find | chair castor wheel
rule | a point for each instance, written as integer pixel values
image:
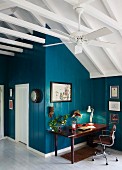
(106, 163)
(92, 159)
(116, 159)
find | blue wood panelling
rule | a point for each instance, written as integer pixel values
(29, 67)
(100, 99)
(62, 66)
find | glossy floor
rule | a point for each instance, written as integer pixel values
(16, 157)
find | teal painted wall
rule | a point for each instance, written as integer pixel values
(4, 81)
(100, 99)
(62, 66)
(29, 67)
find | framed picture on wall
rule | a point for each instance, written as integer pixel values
(114, 118)
(11, 104)
(114, 92)
(114, 106)
(60, 92)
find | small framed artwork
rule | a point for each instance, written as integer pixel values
(10, 92)
(114, 106)
(114, 92)
(60, 92)
(11, 104)
(114, 118)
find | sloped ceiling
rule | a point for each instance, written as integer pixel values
(33, 15)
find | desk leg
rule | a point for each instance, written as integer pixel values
(56, 143)
(72, 150)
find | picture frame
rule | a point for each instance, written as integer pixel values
(114, 118)
(114, 92)
(114, 106)
(60, 92)
(11, 104)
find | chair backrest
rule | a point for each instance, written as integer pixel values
(112, 134)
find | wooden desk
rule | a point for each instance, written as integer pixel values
(75, 134)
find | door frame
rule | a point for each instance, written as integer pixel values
(2, 111)
(16, 117)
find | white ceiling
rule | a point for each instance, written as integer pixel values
(20, 17)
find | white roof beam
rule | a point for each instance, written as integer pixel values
(86, 51)
(29, 25)
(102, 17)
(110, 11)
(6, 5)
(39, 19)
(9, 48)
(16, 43)
(6, 53)
(107, 51)
(21, 35)
(47, 14)
(19, 17)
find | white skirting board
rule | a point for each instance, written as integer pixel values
(77, 146)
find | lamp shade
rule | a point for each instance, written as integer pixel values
(89, 109)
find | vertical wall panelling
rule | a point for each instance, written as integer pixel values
(62, 66)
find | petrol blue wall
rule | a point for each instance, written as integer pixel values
(29, 67)
(4, 81)
(62, 66)
(100, 99)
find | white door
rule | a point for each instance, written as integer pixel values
(1, 111)
(22, 109)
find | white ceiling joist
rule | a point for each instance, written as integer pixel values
(47, 14)
(29, 25)
(6, 53)
(107, 51)
(16, 43)
(6, 5)
(21, 35)
(86, 50)
(9, 48)
(102, 17)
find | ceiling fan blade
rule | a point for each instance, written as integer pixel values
(62, 33)
(78, 49)
(98, 33)
(101, 44)
(49, 45)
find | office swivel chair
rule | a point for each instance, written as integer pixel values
(105, 140)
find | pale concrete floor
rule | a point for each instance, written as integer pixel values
(16, 157)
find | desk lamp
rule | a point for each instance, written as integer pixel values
(90, 110)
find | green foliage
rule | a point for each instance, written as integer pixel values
(58, 121)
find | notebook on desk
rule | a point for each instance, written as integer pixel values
(83, 128)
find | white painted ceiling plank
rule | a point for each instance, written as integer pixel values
(50, 15)
(16, 43)
(21, 35)
(107, 51)
(18, 16)
(102, 17)
(6, 53)
(39, 19)
(110, 11)
(9, 48)
(86, 50)
(29, 25)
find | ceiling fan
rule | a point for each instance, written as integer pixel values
(80, 39)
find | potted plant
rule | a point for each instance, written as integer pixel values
(56, 123)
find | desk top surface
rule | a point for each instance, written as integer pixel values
(68, 132)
